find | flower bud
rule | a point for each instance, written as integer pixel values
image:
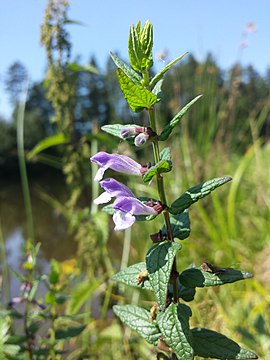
(130, 131)
(141, 139)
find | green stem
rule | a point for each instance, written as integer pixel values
(162, 197)
(23, 171)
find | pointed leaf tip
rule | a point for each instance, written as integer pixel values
(196, 193)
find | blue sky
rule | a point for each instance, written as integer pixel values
(196, 26)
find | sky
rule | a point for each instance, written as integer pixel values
(199, 27)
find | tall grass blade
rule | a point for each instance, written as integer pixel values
(22, 166)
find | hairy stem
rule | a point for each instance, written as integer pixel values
(162, 196)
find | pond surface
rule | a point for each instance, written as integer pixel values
(50, 227)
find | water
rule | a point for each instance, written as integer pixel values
(49, 226)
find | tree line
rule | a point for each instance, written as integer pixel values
(232, 99)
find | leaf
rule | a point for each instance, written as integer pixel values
(137, 97)
(196, 277)
(11, 350)
(174, 326)
(63, 334)
(50, 141)
(80, 293)
(54, 272)
(195, 193)
(140, 44)
(208, 343)
(162, 166)
(157, 89)
(133, 75)
(180, 226)
(73, 22)
(137, 319)
(128, 276)
(135, 51)
(86, 68)
(160, 75)
(159, 261)
(169, 127)
(115, 129)
(16, 339)
(146, 40)
(185, 293)
(165, 154)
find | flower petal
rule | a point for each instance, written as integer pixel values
(99, 174)
(133, 206)
(103, 198)
(123, 220)
(119, 163)
(116, 188)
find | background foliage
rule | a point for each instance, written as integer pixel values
(226, 132)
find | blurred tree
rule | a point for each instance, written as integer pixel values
(15, 81)
(92, 104)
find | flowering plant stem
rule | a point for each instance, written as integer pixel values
(162, 197)
(166, 325)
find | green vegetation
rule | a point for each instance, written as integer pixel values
(225, 132)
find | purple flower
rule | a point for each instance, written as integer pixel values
(113, 188)
(126, 205)
(126, 209)
(120, 163)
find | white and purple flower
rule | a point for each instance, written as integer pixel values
(119, 163)
(126, 205)
(113, 188)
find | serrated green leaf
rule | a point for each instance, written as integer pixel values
(196, 277)
(128, 276)
(180, 226)
(195, 193)
(70, 332)
(135, 51)
(138, 319)
(162, 166)
(146, 39)
(210, 344)
(115, 129)
(159, 261)
(174, 326)
(133, 75)
(140, 44)
(137, 97)
(160, 75)
(169, 127)
(165, 154)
